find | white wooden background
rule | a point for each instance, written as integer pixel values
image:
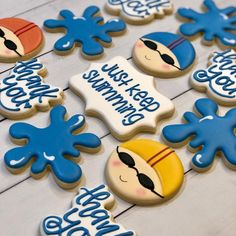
(206, 203)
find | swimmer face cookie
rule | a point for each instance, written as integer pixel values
(121, 96)
(163, 54)
(89, 31)
(213, 23)
(89, 216)
(54, 146)
(219, 79)
(141, 11)
(19, 39)
(209, 134)
(24, 91)
(144, 172)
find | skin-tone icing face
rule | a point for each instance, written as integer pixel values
(10, 45)
(155, 58)
(128, 176)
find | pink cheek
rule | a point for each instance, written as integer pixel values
(139, 45)
(141, 192)
(166, 67)
(116, 163)
(7, 52)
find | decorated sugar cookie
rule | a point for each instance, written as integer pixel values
(214, 23)
(85, 30)
(144, 172)
(24, 92)
(219, 79)
(89, 216)
(124, 98)
(210, 133)
(141, 11)
(52, 147)
(19, 39)
(163, 54)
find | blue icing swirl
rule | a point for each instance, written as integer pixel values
(221, 75)
(24, 85)
(132, 112)
(87, 208)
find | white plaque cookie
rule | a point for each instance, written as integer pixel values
(121, 96)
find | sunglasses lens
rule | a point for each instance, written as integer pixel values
(10, 45)
(2, 34)
(126, 159)
(150, 44)
(146, 182)
(166, 58)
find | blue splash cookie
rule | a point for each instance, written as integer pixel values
(51, 147)
(214, 23)
(209, 132)
(85, 30)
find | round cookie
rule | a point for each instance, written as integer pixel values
(19, 39)
(144, 172)
(164, 54)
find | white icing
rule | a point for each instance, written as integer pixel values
(206, 118)
(24, 90)
(219, 78)
(14, 162)
(86, 203)
(198, 157)
(50, 158)
(140, 10)
(120, 124)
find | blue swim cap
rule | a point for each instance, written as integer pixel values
(182, 48)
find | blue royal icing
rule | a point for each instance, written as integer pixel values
(214, 23)
(88, 217)
(210, 132)
(48, 146)
(219, 78)
(84, 30)
(141, 9)
(24, 90)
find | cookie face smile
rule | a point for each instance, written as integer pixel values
(144, 172)
(163, 54)
(155, 57)
(136, 180)
(10, 45)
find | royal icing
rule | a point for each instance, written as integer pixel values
(24, 91)
(210, 132)
(144, 172)
(163, 54)
(19, 39)
(213, 23)
(141, 11)
(89, 216)
(219, 78)
(50, 145)
(123, 97)
(85, 30)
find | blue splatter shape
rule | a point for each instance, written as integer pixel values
(214, 23)
(47, 147)
(211, 133)
(85, 30)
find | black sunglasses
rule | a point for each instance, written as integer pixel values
(166, 58)
(143, 179)
(9, 44)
